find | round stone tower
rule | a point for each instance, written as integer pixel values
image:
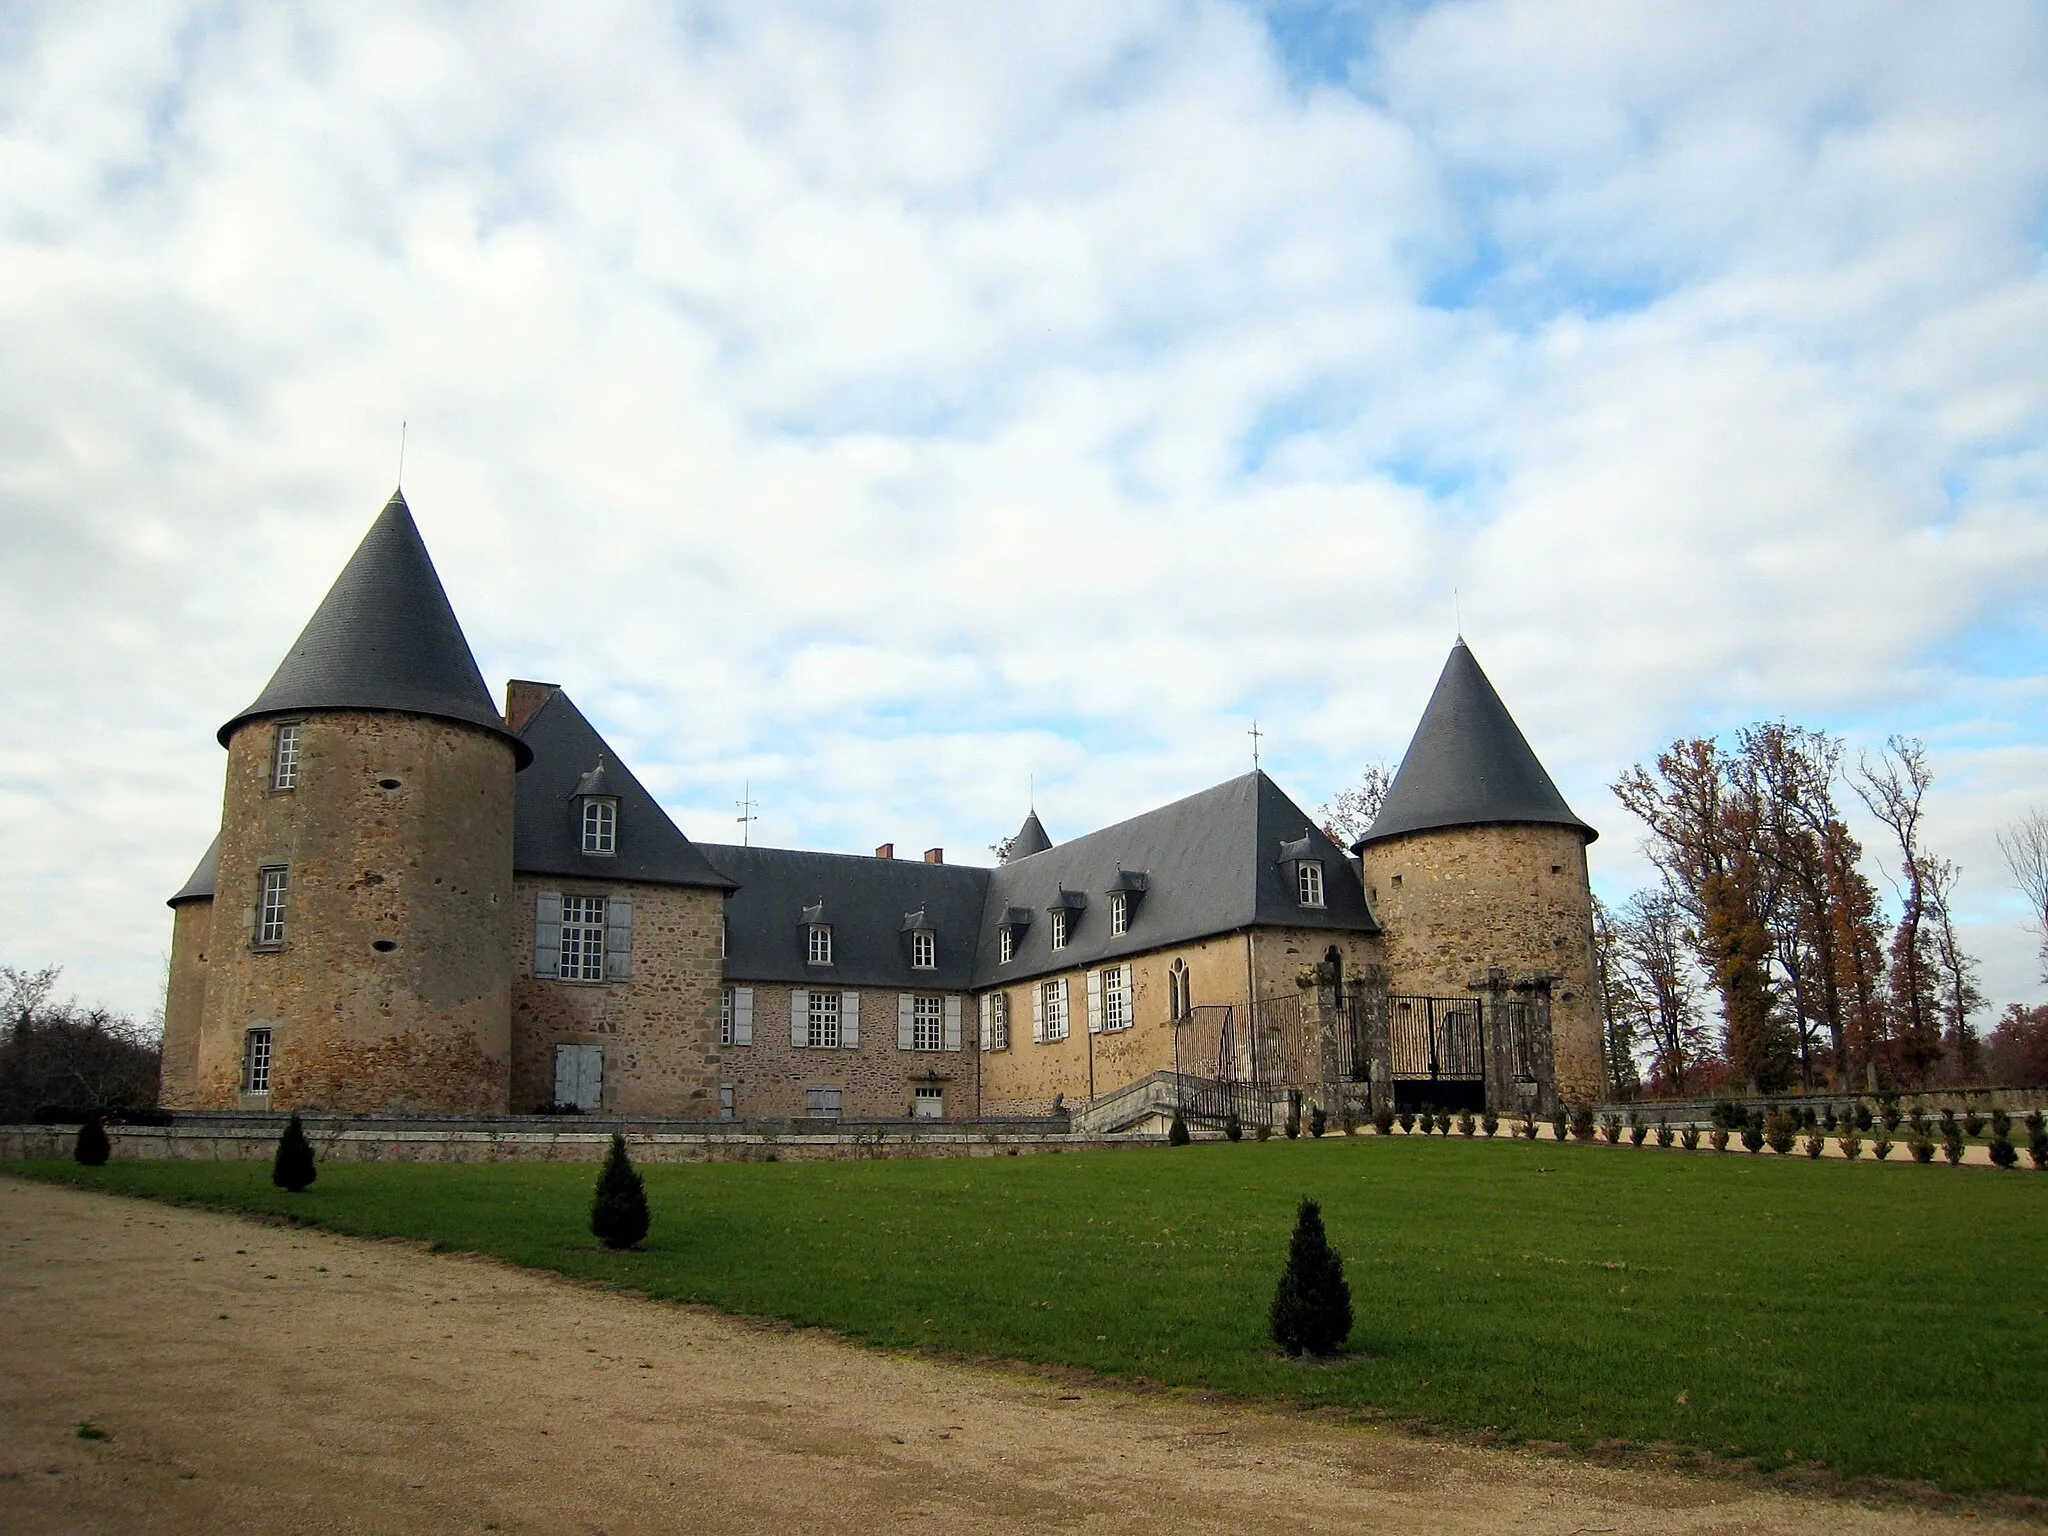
(360, 947)
(1476, 869)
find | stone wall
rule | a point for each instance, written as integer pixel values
(1227, 968)
(658, 1029)
(875, 1079)
(1458, 902)
(185, 1001)
(399, 833)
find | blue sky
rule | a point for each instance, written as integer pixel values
(890, 405)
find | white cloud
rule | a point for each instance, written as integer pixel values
(882, 404)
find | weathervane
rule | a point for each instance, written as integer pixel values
(1255, 733)
(748, 805)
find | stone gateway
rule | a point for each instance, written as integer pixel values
(417, 905)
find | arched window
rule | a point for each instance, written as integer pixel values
(1180, 997)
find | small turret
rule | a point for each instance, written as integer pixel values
(1476, 869)
(1030, 839)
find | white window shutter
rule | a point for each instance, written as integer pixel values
(1038, 1015)
(988, 1020)
(799, 1016)
(849, 1019)
(547, 934)
(906, 1013)
(742, 1015)
(1095, 1002)
(952, 1036)
(618, 938)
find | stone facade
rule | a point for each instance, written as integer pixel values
(658, 1028)
(877, 1079)
(1457, 903)
(391, 988)
(185, 1000)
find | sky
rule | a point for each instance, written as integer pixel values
(901, 413)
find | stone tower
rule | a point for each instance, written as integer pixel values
(1476, 869)
(358, 949)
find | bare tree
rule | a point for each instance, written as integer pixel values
(1621, 1003)
(1654, 951)
(85, 1060)
(1348, 817)
(1958, 993)
(1894, 787)
(2025, 846)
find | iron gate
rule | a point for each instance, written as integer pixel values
(1214, 1077)
(1437, 1047)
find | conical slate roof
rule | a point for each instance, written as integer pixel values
(1030, 839)
(1468, 764)
(200, 886)
(384, 638)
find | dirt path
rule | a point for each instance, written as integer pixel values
(261, 1379)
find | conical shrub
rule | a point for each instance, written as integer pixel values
(293, 1168)
(618, 1216)
(92, 1149)
(1312, 1305)
(1177, 1133)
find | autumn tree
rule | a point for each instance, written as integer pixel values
(1347, 817)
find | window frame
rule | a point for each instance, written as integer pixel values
(600, 826)
(818, 944)
(824, 1021)
(273, 890)
(584, 960)
(286, 741)
(1119, 914)
(1059, 928)
(1180, 992)
(1116, 998)
(1308, 882)
(258, 1046)
(924, 949)
(927, 1093)
(1006, 944)
(927, 1022)
(728, 1012)
(1052, 1005)
(999, 1021)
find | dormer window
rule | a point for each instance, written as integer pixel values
(1309, 882)
(924, 950)
(1006, 944)
(1065, 911)
(1059, 929)
(600, 824)
(1119, 914)
(819, 946)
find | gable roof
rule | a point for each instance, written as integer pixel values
(1468, 764)
(199, 886)
(547, 833)
(384, 638)
(1214, 862)
(865, 900)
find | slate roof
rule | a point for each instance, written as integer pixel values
(1030, 839)
(865, 900)
(1469, 764)
(200, 885)
(547, 830)
(1212, 864)
(383, 638)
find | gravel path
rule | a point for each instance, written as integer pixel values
(264, 1379)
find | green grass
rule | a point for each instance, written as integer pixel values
(1890, 1321)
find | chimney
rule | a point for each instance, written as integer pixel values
(886, 851)
(935, 855)
(523, 698)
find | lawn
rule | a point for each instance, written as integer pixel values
(1889, 1321)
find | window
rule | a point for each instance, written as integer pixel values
(1310, 875)
(1180, 995)
(723, 925)
(726, 1000)
(924, 950)
(256, 1061)
(823, 1031)
(928, 1024)
(1006, 943)
(821, 1099)
(1059, 929)
(600, 826)
(725, 1101)
(1052, 997)
(928, 1104)
(582, 938)
(270, 912)
(1119, 914)
(995, 1021)
(820, 951)
(284, 756)
(1116, 997)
